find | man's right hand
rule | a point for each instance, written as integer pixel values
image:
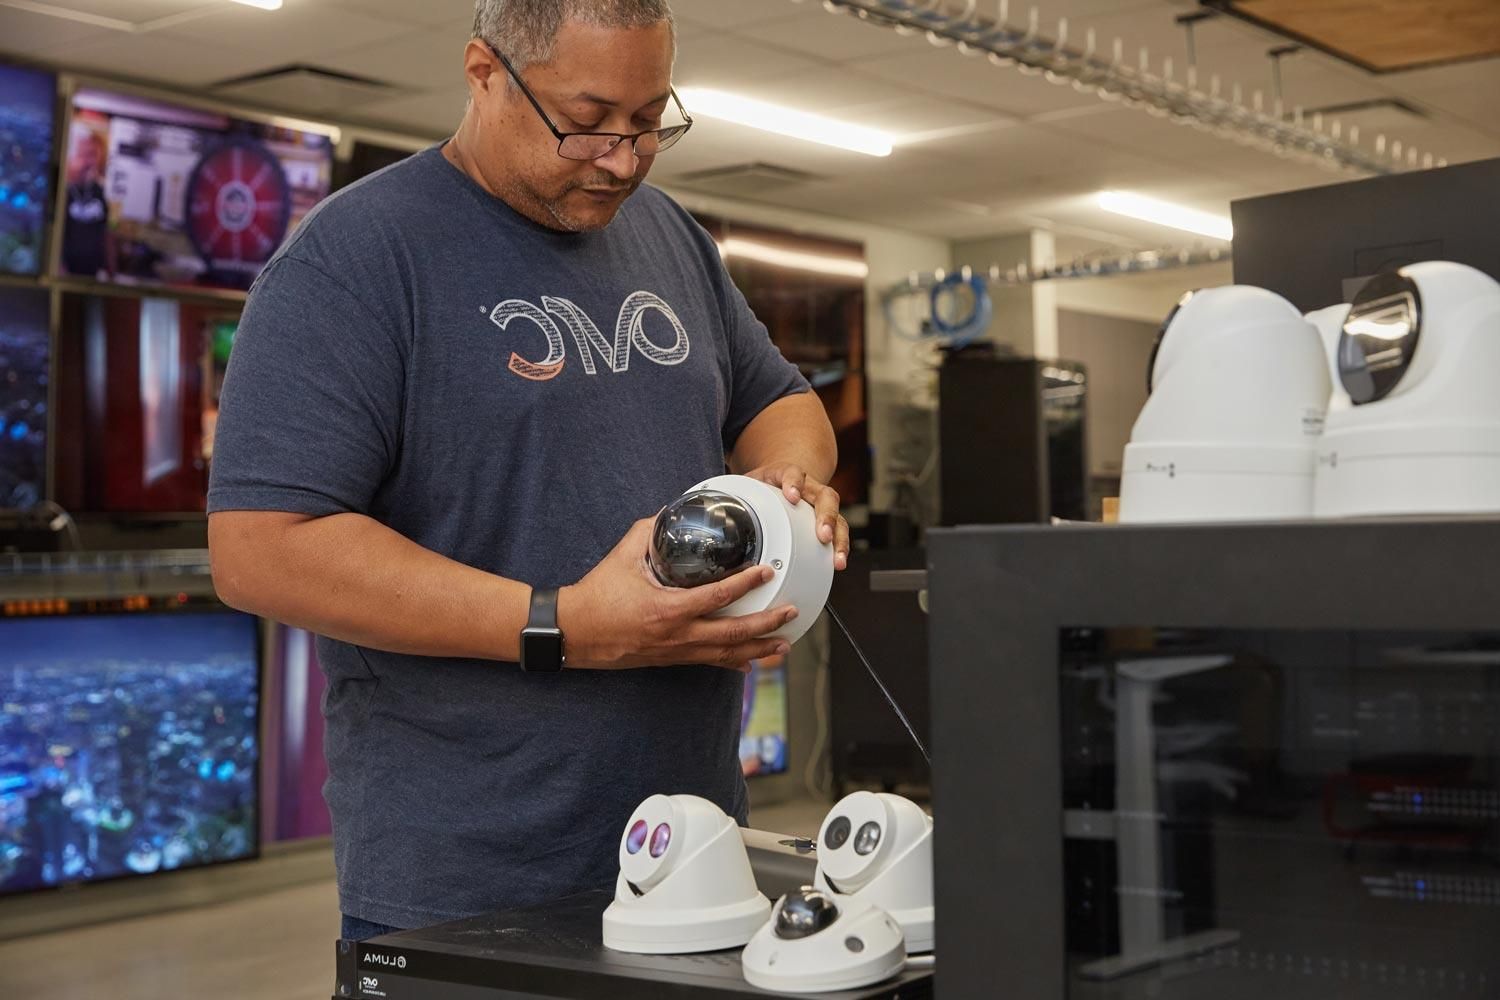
(620, 617)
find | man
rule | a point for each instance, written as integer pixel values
(454, 390)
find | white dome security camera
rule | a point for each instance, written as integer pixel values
(1239, 392)
(729, 523)
(685, 881)
(817, 943)
(1417, 359)
(878, 847)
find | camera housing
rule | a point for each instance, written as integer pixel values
(685, 882)
(1239, 392)
(877, 847)
(817, 943)
(730, 523)
(1421, 434)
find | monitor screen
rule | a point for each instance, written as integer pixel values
(128, 745)
(366, 159)
(171, 195)
(24, 350)
(138, 383)
(763, 727)
(27, 99)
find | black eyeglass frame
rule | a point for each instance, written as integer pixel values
(667, 137)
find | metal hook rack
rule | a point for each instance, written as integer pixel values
(1115, 78)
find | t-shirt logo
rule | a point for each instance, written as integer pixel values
(630, 335)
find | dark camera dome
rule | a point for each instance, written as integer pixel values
(803, 914)
(702, 537)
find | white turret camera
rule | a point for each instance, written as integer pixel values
(731, 523)
(1239, 390)
(877, 847)
(685, 883)
(817, 943)
(1417, 357)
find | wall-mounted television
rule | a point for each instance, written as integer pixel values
(137, 402)
(24, 376)
(128, 745)
(28, 100)
(163, 194)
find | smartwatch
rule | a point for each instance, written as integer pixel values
(541, 639)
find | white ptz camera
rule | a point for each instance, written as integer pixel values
(1239, 391)
(1417, 358)
(730, 523)
(685, 883)
(817, 943)
(877, 847)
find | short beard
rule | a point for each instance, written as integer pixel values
(564, 220)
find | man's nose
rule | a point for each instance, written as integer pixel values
(620, 161)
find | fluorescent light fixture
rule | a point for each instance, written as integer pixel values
(785, 121)
(262, 4)
(797, 260)
(1164, 213)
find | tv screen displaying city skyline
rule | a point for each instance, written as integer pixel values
(129, 745)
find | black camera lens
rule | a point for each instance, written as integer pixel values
(703, 537)
(867, 839)
(803, 914)
(838, 833)
(1380, 337)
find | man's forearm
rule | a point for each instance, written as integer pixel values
(794, 430)
(351, 578)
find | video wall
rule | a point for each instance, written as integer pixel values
(169, 195)
(27, 99)
(128, 745)
(24, 378)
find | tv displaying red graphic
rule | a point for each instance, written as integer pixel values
(165, 194)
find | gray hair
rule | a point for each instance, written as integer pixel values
(526, 30)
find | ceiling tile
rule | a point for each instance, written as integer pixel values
(158, 58)
(298, 32)
(31, 35)
(430, 116)
(136, 12)
(727, 14)
(427, 12)
(726, 61)
(428, 58)
(831, 37)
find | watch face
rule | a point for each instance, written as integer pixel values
(541, 650)
(1380, 337)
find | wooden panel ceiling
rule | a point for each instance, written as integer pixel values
(1382, 36)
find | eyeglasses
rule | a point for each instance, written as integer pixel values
(593, 145)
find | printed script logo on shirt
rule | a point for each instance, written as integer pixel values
(629, 335)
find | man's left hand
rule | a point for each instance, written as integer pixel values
(797, 485)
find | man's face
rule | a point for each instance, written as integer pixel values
(598, 80)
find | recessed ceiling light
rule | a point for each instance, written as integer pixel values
(262, 4)
(786, 121)
(1164, 213)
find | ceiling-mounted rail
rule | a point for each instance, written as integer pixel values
(1114, 77)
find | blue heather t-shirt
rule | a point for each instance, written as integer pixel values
(513, 398)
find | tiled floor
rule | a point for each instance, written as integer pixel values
(273, 947)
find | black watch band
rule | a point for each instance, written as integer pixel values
(541, 639)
